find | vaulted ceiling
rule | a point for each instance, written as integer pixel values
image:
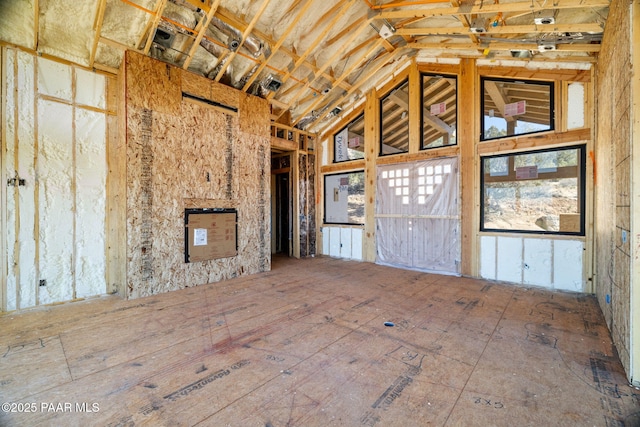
(306, 57)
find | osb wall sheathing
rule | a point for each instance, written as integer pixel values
(186, 154)
(612, 183)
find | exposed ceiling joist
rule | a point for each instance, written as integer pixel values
(328, 27)
(318, 54)
(526, 6)
(292, 26)
(506, 29)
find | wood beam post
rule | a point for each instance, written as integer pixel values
(468, 128)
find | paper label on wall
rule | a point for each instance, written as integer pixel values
(354, 142)
(527, 172)
(200, 237)
(341, 148)
(438, 108)
(515, 108)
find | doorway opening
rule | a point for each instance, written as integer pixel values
(281, 202)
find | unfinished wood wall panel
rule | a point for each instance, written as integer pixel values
(195, 85)
(255, 117)
(221, 93)
(252, 165)
(613, 184)
(192, 156)
(205, 153)
(152, 84)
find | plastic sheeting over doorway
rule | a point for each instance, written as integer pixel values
(417, 215)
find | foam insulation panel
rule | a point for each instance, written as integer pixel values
(536, 263)
(546, 262)
(509, 266)
(54, 79)
(567, 265)
(488, 257)
(575, 109)
(356, 243)
(56, 200)
(187, 154)
(60, 22)
(345, 242)
(26, 171)
(90, 196)
(17, 23)
(91, 89)
(334, 241)
(59, 151)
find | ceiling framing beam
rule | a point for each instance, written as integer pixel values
(201, 29)
(491, 9)
(337, 56)
(346, 5)
(500, 46)
(245, 34)
(276, 48)
(505, 29)
(227, 17)
(346, 73)
(97, 29)
(384, 60)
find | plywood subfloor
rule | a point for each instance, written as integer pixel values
(305, 345)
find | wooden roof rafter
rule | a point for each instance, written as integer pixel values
(507, 29)
(201, 30)
(245, 34)
(525, 6)
(276, 48)
(345, 74)
(338, 55)
(97, 29)
(385, 59)
(151, 26)
(226, 16)
(310, 49)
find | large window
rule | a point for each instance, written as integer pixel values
(439, 111)
(344, 198)
(534, 192)
(512, 107)
(394, 120)
(348, 143)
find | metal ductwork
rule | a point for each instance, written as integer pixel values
(234, 37)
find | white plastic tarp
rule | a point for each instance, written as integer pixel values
(417, 215)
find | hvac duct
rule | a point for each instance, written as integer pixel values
(234, 38)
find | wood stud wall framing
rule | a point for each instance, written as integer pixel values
(469, 148)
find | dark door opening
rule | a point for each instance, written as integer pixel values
(282, 223)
